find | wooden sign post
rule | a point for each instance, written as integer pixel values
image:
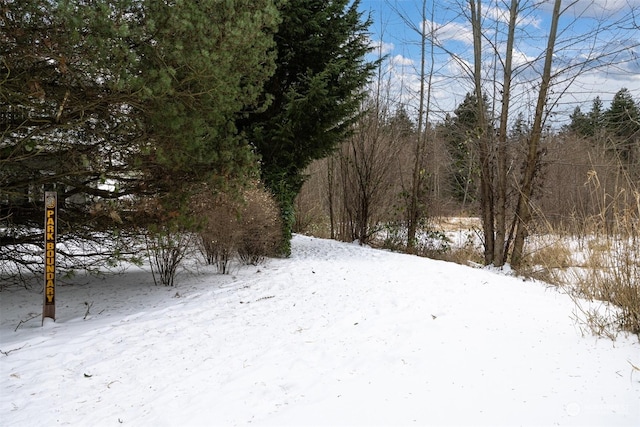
(50, 236)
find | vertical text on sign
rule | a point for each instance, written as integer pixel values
(50, 235)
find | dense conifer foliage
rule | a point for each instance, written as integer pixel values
(112, 103)
(617, 128)
(315, 93)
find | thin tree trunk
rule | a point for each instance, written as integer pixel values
(416, 181)
(523, 210)
(331, 189)
(483, 140)
(499, 251)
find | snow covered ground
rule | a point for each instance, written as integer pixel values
(336, 335)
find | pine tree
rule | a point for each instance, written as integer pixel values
(588, 124)
(579, 122)
(315, 93)
(210, 61)
(595, 117)
(106, 99)
(622, 121)
(461, 131)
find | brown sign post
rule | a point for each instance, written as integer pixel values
(50, 235)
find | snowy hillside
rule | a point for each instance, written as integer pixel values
(336, 335)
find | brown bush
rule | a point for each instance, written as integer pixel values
(260, 228)
(244, 224)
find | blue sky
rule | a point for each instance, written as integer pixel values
(585, 31)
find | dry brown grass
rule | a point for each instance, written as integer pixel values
(610, 272)
(549, 260)
(466, 255)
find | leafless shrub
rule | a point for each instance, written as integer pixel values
(244, 224)
(218, 237)
(166, 248)
(215, 252)
(260, 233)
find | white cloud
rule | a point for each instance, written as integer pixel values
(381, 47)
(501, 15)
(521, 59)
(450, 31)
(599, 9)
(401, 61)
(387, 47)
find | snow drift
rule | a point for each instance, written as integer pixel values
(337, 334)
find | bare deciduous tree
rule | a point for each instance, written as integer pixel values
(415, 207)
(504, 237)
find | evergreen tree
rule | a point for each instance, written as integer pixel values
(460, 135)
(596, 117)
(400, 123)
(314, 94)
(520, 129)
(106, 99)
(208, 68)
(587, 124)
(579, 122)
(622, 121)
